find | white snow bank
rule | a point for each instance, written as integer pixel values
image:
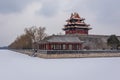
(17, 66)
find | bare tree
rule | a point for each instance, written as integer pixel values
(31, 32)
(22, 42)
(27, 40)
(40, 34)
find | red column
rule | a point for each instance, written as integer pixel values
(49, 46)
(80, 46)
(45, 46)
(67, 46)
(72, 47)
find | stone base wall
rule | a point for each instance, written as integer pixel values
(67, 55)
(92, 55)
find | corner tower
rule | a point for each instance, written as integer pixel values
(76, 25)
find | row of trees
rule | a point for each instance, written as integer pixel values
(31, 35)
(113, 42)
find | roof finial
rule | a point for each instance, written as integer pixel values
(72, 15)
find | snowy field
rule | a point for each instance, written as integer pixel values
(16, 66)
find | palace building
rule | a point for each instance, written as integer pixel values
(76, 37)
(75, 25)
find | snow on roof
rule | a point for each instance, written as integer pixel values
(64, 39)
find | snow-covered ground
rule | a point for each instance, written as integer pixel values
(17, 66)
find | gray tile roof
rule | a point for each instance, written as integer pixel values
(69, 39)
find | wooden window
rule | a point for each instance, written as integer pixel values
(64, 47)
(70, 47)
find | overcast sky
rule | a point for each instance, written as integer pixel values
(15, 15)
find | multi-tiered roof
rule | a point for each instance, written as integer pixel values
(76, 25)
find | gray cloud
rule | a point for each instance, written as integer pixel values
(10, 6)
(49, 8)
(103, 8)
(107, 11)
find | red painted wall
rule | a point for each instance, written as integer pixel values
(76, 32)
